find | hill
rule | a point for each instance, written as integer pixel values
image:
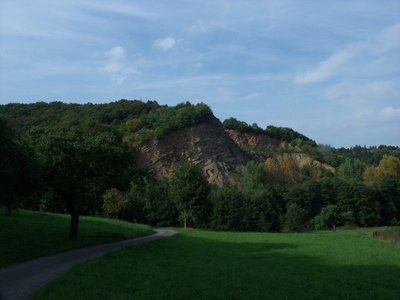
(146, 162)
(163, 137)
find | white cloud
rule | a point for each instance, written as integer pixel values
(327, 68)
(390, 114)
(388, 39)
(117, 66)
(165, 44)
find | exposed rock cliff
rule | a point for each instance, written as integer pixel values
(218, 152)
(247, 139)
(206, 145)
(304, 160)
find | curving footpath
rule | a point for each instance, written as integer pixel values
(21, 280)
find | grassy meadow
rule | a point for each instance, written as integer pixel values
(26, 234)
(197, 264)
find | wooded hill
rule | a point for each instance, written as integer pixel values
(153, 163)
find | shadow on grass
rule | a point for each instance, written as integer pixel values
(195, 266)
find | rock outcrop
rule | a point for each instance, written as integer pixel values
(221, 154)
(206, 145)
(305, 160)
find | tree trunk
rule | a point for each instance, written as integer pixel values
(74, 213)
(73, 229)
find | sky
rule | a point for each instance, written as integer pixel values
(327, 69)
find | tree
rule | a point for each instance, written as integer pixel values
(261, 210)
(388, 196)
(189, 190)
(295, 218)
(282, 169)
(114, 201)
(388, 166)
(228, 209)
(350, 169)
(329, 216)
(80, 164)
(8, 162)
(254, 175)
(16, 170)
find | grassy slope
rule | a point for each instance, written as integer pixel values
(199, 264)
(26, 235)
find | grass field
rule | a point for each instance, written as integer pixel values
(198, 264)
(25, 234)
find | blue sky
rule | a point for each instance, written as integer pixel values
(328, 69)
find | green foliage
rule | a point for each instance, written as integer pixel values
(368, 155)
(164, 120)
(254, 175)
(16, 170)
(138, 120)
(351, 169)
(388, 196)
(330, 216)
(8, 167)
(241, 126)
(189, 191)
(295, 218)
(80, 164)
(228, 208)
(151, 202)
(114, 201)
(355, 197)
(261, 210)
(289, 135)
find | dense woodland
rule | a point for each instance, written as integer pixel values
(77, 158)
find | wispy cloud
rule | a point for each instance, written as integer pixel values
(165, 44)
(328, 67)
(390, 114)
(386, 40)
(117, 66)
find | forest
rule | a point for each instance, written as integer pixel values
(77, 159)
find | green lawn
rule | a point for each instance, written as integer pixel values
(25, 234)
(198, 264)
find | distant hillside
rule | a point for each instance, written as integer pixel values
(163, 136)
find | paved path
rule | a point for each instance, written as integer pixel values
(21, 280)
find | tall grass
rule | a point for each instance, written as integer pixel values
(199, 264)
(25, 234)
(389, 234)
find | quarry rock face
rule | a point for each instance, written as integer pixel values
(304, 160)
(206, 145)
(216, 151)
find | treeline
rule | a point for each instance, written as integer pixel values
(135, 120)
(270, 201)
(67, 156)
(279, 133)
(324, 153)
(77, 159)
